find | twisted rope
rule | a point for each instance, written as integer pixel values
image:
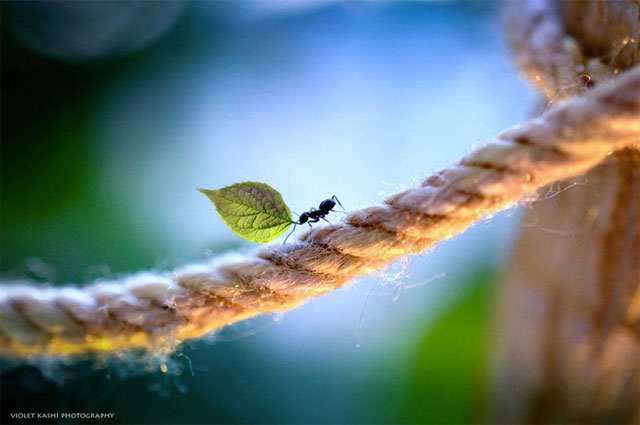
(567, 344)
(159, 310)
(555, 61)
(549, 57)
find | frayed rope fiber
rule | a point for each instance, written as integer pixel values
(159, 310)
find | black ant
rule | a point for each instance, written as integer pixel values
(314, 215)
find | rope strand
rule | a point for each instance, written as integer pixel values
(159, 310)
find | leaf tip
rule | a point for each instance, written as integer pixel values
(206, 192)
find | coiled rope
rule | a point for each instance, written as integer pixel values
(159, 310)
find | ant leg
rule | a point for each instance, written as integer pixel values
(290, 233)
(335, 198)
(325, 220)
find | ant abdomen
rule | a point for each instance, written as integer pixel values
(327, 205)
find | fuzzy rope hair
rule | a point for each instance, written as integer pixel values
(159, 310)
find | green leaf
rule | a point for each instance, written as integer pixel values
(253, 210)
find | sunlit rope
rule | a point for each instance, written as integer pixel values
(556, 62)
(159, 310)
(553, 360)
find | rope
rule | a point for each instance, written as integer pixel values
(555, 61)
(549, 57)
(568, 317)
(159, 310)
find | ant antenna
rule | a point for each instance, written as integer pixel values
(290, 233)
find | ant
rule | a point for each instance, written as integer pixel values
(314, 215)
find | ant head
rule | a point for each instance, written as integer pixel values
(303, 218)
(327, 205)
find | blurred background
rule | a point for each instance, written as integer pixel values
(113, 112)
